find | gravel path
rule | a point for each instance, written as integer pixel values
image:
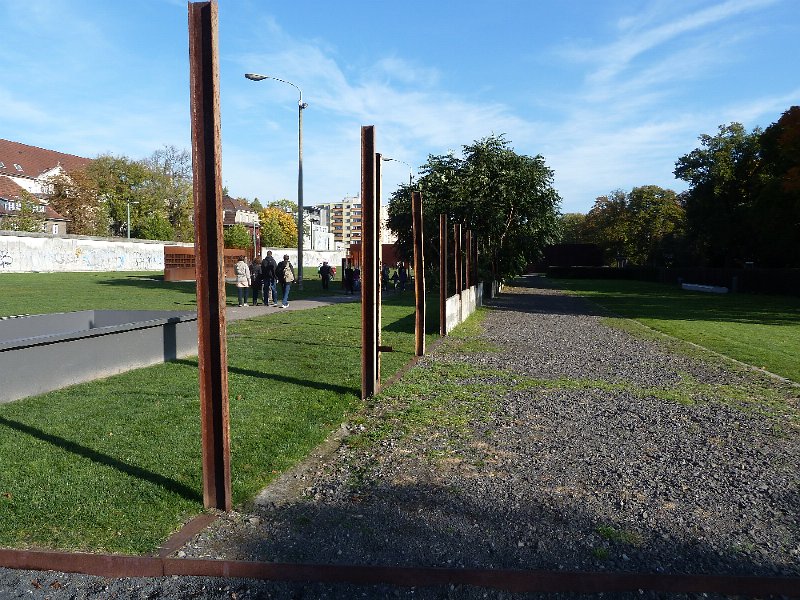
(542, 439)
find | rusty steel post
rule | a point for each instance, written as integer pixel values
(443, 275)
(209, 256)
(378, 270)
(468, 259)
(369, 339)
(457, 256)
(419, 273)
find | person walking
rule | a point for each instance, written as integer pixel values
(242, 280)
(268, 275)
(325, 273)
(403, 276)
(255, 280)
(348, 279)
(285, 272)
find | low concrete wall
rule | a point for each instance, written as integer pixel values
(38, 252)
(41, 353)
(460, 306)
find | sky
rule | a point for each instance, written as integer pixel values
(610, 92)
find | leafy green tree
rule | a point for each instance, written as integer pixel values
(776, 218)
(572, 227)
(256, 205)
(29, 217)
(724, 180)
(643, 226)
(76, 197)
(504, 198)
(170, 184)
(154, 226)
(237, 236)
(278, 227)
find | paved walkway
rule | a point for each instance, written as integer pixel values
(234, 313)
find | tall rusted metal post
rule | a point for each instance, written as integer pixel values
(419, 273)
(378, 269)
(369, 339)
(457, 256)
(209, 255)
(443, 274)
(468, 283)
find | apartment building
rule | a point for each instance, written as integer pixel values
(344, 222)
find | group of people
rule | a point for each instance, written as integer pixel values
(399, 278)
(263, 277)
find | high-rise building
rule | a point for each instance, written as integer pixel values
(344, 222)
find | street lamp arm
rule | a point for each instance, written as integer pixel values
(257, 77)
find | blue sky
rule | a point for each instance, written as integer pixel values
(610, 92)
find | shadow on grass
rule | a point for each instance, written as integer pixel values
(316, 385)
(148, 282)
(103, 459)
(644, 300)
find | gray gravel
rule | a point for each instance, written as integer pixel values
(547, 441)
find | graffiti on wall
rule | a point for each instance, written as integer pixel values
(20, 254)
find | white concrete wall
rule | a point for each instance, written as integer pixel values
(32, 252)
(311, 258)
(460, 306)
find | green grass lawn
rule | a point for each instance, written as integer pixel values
(760, 330)
(114, 464)
(38, 293)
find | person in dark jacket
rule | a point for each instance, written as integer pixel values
(348, 279)
(325, 274)
(255, 280)
(268, 266)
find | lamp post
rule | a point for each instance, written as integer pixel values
(300, 107)
(410, 170)
(128, 202)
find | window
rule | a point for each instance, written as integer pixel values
(2, 165)
(18, 167)
(54, 228)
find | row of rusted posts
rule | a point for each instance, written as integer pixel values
(465, 267)
(371, 347)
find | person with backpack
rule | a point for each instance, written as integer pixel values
(268, 267)
(285, 273)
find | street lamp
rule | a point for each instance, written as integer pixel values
(300, 106)
(410, 176)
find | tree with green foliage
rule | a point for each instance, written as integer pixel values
(170, 183)
(29, 216)
(776, 214)
(642, 226)
(278, 227)
(572, 227)
(256, 205)
(506, 199)
(237, 236)
(724, 180)
(75, 196)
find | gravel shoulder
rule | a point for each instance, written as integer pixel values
(536, 437)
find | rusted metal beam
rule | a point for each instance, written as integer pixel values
(419, 273)
(457, 264)
(209, 261)
(378, 270)
(369, 339)
(468, 283)
(511, 580)
(443, 251)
